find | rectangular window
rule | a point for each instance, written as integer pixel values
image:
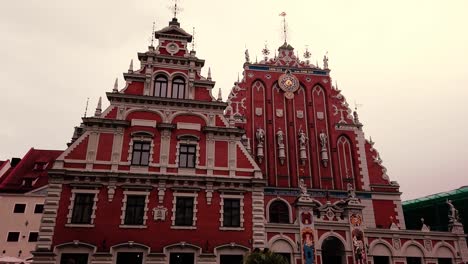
(444, 261)
(231, 259)
(19, 208)
(82, 208)
(413, 260)
(33, 236)
(181, 258)
(231, 213)
(187, 156)
(381, 260)
(184, 211)
(13, 236)
(129, 258)
(38, 209)
(68, 258)
(141, 153)
(135, 210)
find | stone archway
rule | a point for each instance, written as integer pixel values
(333, 251)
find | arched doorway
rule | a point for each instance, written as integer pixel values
(333, 251)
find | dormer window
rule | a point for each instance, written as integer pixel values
(160, 86)
(178, 88)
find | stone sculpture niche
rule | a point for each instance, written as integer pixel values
(281, 150)
(323, 152)
(302, 146)
(260, 135)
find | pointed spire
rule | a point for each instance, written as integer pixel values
(86, 107)
(220, 96)
(130, 68)
(238, 77)
(209, 74)
(98, 107)
(356, 116)
(256, 59)
(116, 86)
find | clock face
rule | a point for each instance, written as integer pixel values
(172, 48)
(289, 84)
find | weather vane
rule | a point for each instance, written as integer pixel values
(175, 8)
(283, 14)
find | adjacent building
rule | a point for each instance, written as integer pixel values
(169, 173)
(23, 188)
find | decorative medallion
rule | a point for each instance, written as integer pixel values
(325, 80)
(320, 116)
(308, 79)
(268, 76)
(300, 114)
(279, 112)
(258, 111)
(355, 220)
(172, 48)
(289, 84)
(160, 213)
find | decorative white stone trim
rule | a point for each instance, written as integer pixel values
(72, 204)
(124, 208)
(282, 200)
(145, 123)
(240, 197)
(188, 141)
(130, 151)
(361, 153)
(75, 247)
(174, 210)
(189, 126)
(399, 214)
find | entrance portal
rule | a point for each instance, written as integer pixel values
(333, 251)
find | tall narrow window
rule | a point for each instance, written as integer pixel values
(82, 208)
(160, 86)
(279, 212)
(141, 153)
(187, 155)
(135, 210)
(178, 88)
(231, 213)
(184, 211)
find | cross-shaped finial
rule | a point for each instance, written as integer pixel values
(193, 38)
(175, 8)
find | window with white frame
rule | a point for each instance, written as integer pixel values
(184, 211)
(82, 208)
(178, 88)
(140, 152)
(134, 209)
(188, 151)
(232, 211)
(278, 212)
(160, 86)
(74, 258)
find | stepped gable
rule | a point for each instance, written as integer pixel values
(166, 97)
(286, 95)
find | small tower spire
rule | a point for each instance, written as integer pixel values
(116, 86)
(98, 111)
(209, 74)
(283, 14)
(237, 77)
(86, 107)
(130, 68)
(193, 39)
(152, 34)
(176, 9)
(220, 96)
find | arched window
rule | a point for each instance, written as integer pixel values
(160, 86)
(279, 212)
(178, 88)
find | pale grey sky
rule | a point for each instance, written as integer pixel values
(405, 61)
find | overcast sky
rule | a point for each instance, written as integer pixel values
(405, 62)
